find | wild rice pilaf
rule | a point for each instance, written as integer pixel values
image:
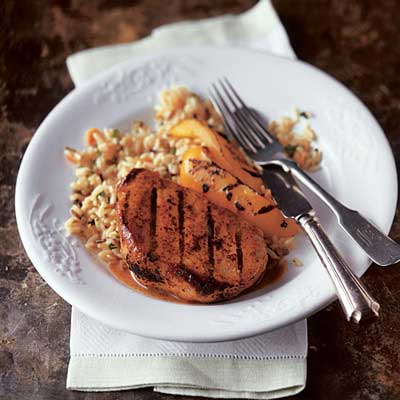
(111, 154)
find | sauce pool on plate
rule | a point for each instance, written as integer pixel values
(274, 272)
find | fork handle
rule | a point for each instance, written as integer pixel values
(379, 247)
(354, 298)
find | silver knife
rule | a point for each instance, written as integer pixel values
(353, 296)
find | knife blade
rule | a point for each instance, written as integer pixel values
(286, 192)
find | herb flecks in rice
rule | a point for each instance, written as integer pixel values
(298, 140)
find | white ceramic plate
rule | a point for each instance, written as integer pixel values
(358, 168)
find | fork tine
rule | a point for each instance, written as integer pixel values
(235, 93)
(241, 122)
(222, 109)
(232, 132)
(258, 125)
(239, 131)
(225, 112)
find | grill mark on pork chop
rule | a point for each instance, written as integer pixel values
(153, 224)
(181, 224)
(131, 176)
(210, 239)
(145, 273)
(239, 251)
(203, 285)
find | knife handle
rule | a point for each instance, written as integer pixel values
(380, 248)
(353, 296)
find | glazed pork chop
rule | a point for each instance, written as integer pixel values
(174, 240)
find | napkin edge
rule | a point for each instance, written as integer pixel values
(217, 376)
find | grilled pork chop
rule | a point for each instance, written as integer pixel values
(174, 240)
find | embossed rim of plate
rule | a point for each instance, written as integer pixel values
(90, 288)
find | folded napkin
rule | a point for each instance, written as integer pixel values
(264, 367)
(102, 358)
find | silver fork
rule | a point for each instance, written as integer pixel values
(245, 125)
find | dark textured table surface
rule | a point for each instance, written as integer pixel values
(358, 42)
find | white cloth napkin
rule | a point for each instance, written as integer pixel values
(102, 358)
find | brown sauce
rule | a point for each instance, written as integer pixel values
(126, 277)
(274, 272)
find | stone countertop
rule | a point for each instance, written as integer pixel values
(356, 41)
